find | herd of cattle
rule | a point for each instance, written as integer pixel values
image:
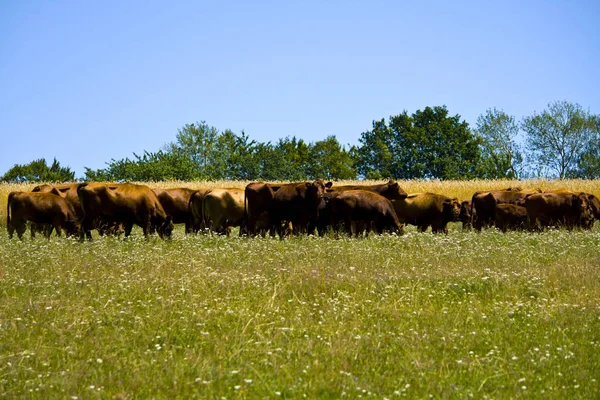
(283, 209)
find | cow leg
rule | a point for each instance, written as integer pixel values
(21, 228)
(10, 228)
(128, 226)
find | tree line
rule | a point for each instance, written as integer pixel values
(563, 141)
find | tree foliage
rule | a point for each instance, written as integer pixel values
(39, 171)
(558, 137)
(428, 144)
(501, 156)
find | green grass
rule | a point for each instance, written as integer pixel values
(487, 315)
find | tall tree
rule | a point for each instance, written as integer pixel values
(501, 156)
(198, 142)
(557, 137)
(329, 160)
(428, 144)
(39, 171)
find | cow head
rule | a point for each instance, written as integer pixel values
(594, 204)
(451, 209)
(465, 211)
(394, 191)
(165, 230)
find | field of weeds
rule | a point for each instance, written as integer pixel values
(487, 315)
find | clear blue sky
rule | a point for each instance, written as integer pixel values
(87, 81)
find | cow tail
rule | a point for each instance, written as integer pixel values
(8, 204)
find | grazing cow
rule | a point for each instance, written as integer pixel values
(40, 208)
(425, 209)
(297, 204)
(484, 203)
(390, 190)
(126, 203)
(557, 209)
(362, 209)
(467, 214)
(510, 216)
(176, 202)
(67, 191)
(258, 204)
(223, 209)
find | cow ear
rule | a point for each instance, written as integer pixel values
(591, 197)
(308, 184)
(329, 184)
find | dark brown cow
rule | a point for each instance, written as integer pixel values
(427, 209)
(484, 203)
(594, 205)
(510, 216)
(362, 209)
(40, 208)
(126, 203)
(557, 209)
(390, 190)
(258, 204)
(298, 205)
(176, 202)
(467, 214)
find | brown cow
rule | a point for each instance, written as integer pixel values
(484, 203)
(223, 209)
(557, 209)
(126, 203)
(67, 191)
(195, 208)
(425, 209)
(362, 209)
(176, 202)
(467, 214)
(40, 208)
(390, 190)
(510, 216)
(258, 204)
(594, 205)
(298, 205)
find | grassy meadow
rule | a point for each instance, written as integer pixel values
(484, 315)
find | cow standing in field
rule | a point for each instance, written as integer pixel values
(195, 208)
(391, 190)
(258, 204)
(510, 216)
(224, 209)
(47, 208)
(67, 191)
(359, 210)
(483, 204)
(175, 202)
(559, 208)
(427, 209)
(467, 215)
(126, 203)
(298, 205)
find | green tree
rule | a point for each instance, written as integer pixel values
(329, 160)
(375, 157)
(39, 171)
(199, 143)
(558, 137)
(428, 144)
(588, 165)
(501, 156)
